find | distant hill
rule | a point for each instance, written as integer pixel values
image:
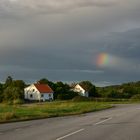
(126, 90)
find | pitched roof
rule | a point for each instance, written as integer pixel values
(43, 88)
(84, 87)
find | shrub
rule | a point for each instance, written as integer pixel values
(18, 101)
(80, 99)
(8, 116)
(12, 93)
(8, 102)
(67, 96)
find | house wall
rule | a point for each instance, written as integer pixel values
(86, 94)
(80, 90)
(31, 93)
(46, 96)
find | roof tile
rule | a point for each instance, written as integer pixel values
(43, 88)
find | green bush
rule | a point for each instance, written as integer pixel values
(18, 101)
(80, 99)
(66, 96)
(7, 116)
(12, 93)
(10, 102)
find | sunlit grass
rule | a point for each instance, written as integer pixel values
(45, 110)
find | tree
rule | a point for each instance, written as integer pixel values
(13, 90)
(12, 93)
(113, 94)
(129, 91)
(8, 81)
(43, 81)
(18, 83)
(60, 87)
(67, 96)
(63, 91)
(1, 91)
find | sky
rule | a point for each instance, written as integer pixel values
(70, 40)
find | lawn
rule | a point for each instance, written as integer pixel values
(10, 113)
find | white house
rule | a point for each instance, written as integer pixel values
(38, 92)
(81, 90)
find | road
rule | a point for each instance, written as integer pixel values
(119, 123)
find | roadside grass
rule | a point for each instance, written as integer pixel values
(9, 113)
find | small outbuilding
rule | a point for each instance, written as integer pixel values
(38, 92)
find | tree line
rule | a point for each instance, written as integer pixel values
(12, 91)
(126, 91)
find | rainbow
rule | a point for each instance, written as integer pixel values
(103, 59)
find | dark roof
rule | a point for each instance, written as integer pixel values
(84, 87)
(43, 88)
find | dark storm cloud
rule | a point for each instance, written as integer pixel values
(73, 64)
(36, 41)
(123, 44)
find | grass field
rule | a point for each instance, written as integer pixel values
(51, 109)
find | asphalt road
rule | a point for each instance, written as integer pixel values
(119, 123)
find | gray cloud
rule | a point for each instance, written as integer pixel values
(24, 7)
(78, 63)
(124, 44)
(36, 44)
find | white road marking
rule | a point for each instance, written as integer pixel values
(103, 121)
(137, 108)
(70, 134)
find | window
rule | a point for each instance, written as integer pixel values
(42, 95)
(49, 95)
(31, 95)
(33, 90)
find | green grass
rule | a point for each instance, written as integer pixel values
(53, 109)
